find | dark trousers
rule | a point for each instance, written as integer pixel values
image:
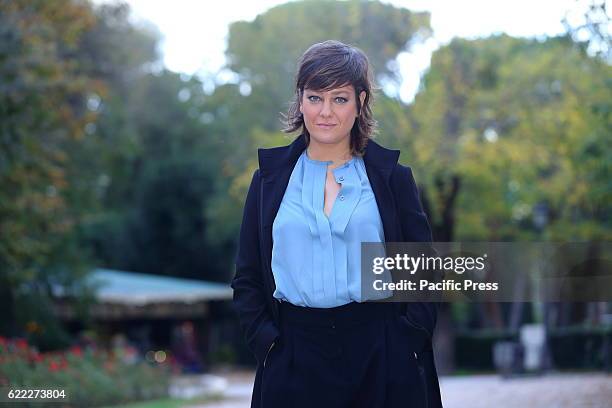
(359, 355)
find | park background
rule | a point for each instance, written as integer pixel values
(122, 183)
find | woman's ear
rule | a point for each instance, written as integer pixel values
(300, 101)
(362, 96)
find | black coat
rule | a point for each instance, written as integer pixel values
(403, 220)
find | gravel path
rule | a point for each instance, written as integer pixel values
(583, 390)
(591, 390)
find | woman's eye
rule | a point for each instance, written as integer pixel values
(338, 99)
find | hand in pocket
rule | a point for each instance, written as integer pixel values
(268, 353)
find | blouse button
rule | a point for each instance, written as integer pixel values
(341, 178)
(341, 198)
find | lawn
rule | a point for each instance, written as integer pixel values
(167, 403)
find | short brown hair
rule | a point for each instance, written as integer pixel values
(332, 64)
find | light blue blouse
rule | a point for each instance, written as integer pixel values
(316, 260)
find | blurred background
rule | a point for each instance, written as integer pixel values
(129, 134)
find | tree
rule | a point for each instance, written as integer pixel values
(590, 28)
(510, 119)
(43, 115)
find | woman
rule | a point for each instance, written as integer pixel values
(310, 204)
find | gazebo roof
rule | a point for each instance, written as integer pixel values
(130, 288)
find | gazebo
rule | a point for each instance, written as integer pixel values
(150, 310)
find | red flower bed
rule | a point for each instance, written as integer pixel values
(89, 376)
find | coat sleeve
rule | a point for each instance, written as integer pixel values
(249, 293)
(415, 228)
(414, 223)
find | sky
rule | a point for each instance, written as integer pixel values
(194, 32)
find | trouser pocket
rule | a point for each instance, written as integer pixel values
(276, 385)
(409, 342)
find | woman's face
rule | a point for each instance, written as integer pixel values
(330, 115)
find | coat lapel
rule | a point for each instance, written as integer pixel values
(379, 164)
(276, 165)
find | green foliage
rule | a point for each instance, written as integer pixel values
(474, 350)
(43, 116)
(520, 122)
(160, 209)
(225, 354)
(88, 377)
(265, 51)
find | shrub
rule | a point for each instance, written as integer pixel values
(89, 377)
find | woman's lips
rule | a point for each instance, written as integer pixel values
(325, 126)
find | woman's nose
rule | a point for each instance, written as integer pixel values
(326, 109)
